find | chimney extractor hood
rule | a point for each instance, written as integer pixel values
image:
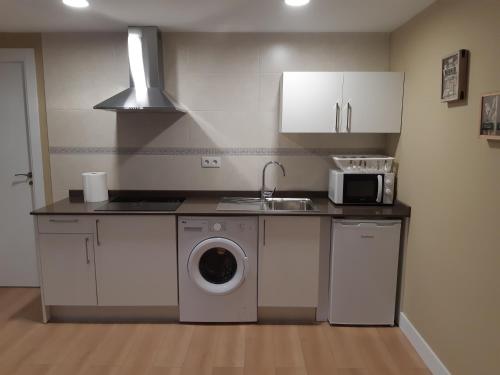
(146, 92)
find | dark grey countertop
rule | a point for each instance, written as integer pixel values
(206, 205)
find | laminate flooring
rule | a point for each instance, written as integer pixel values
(29, 347)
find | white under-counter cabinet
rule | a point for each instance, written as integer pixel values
(67, 264)
(68, 269)
(289, 258)
(108, 260)
(341, 102)
(136, 260)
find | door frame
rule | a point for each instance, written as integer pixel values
(26, 56)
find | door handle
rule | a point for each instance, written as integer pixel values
(380, 188)
(97, 232)
(28, 175)
(337, 111)
(87, 249)
(349, 116)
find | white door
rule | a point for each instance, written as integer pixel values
(68, 269)
(372, 102)
(311, 102)
(18, 119)
(289, 248)
(136, 260)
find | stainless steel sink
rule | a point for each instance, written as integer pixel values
(290, 204)
(267, 204)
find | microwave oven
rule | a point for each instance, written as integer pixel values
(361, 188)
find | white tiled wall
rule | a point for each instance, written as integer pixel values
(230, 85)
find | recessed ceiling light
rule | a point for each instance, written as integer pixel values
(76, 3)
(296, 3)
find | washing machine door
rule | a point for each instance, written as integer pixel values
(218, 265)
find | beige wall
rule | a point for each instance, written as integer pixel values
(34, 40)
(229, 83)
(451, 178)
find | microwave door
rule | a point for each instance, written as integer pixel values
(362, 188)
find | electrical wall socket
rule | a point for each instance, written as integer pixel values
(210, 162)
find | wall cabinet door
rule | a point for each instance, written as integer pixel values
(68, 269)
(289, 249)
(372, 102)
(136, 260)
(310, 102)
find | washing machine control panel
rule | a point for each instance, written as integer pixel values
(217, 226)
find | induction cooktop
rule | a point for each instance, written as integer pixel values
(141, 204)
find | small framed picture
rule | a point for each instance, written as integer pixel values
(454, 70)
(490, 114)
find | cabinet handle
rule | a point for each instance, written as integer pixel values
(349, 116)
(87, 249)
(97, 232)
(337, 111)
(264, 234)
(63, 220)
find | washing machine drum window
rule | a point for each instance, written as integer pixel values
(218, 266)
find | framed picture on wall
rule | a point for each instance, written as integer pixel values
(454, 72)
(490, 115)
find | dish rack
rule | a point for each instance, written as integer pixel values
(363, 163)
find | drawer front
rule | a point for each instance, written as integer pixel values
(64, 224)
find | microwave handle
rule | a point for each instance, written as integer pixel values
(380, 188)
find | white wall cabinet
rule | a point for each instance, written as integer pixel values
(289, 253)
(68, 269)
(336, 102)
(372, 102)
(312, 101)
(136, 260)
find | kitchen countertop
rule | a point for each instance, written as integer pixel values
(206, 205)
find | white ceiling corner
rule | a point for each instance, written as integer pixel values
(210, 15)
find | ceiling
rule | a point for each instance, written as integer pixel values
(210, 15)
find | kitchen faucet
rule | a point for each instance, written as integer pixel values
(269, 193)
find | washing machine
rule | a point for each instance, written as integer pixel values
(217, 269)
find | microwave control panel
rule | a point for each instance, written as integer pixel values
(389, 188)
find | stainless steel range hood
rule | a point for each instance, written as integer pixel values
(146, 92)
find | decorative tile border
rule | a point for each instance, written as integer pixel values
(186, 151)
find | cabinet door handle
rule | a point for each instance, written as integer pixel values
(63, 220)
(349, 116)
(264, 234)
(87, 249)
(337, 111)
(97, 232)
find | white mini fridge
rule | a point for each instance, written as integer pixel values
(364, 271)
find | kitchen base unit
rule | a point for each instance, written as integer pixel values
(293, 268)
(364, 272)
(108, 267)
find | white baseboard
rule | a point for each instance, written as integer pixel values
(423, 349)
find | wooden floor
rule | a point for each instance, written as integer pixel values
(28, 347)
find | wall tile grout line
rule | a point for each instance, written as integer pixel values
(189, 151)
